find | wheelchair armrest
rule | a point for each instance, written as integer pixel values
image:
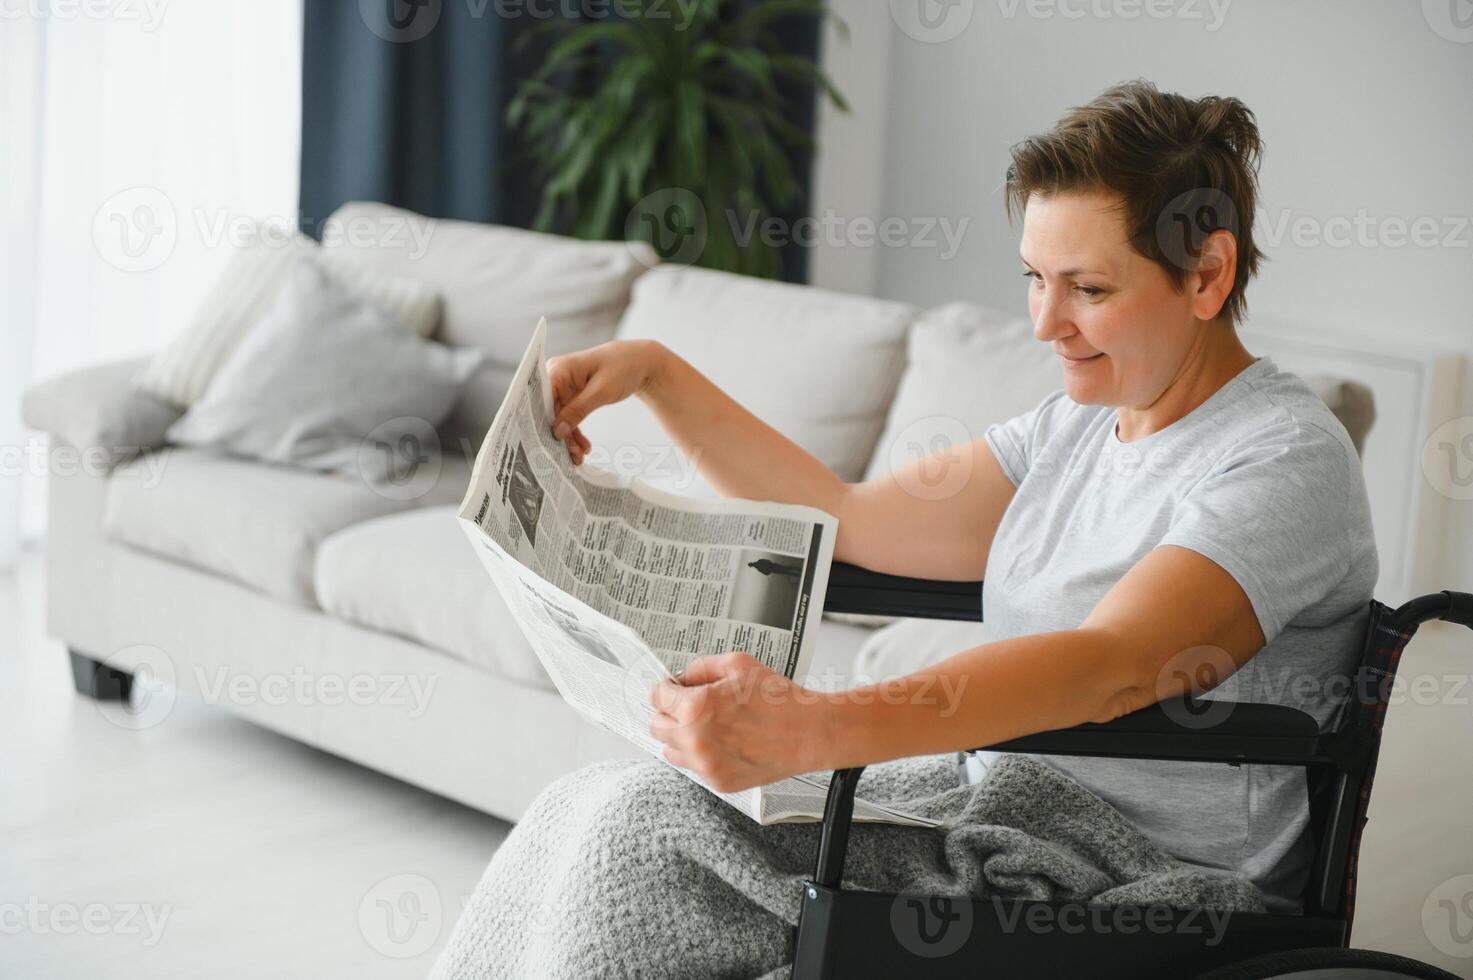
(1197, 731)
(1201, 731)
(853, 589)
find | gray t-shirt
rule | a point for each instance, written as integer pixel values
(1262, 479)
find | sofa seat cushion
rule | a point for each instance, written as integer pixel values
(415, 575)
(256, 524)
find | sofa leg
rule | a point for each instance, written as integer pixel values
(99, 681)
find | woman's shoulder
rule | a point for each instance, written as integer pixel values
(1277, 408)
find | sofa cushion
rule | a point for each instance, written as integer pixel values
(818, 366)
(322, 372)
(967, 367)
(99, 410)
(415, 575)
(256, 524)
(245, 292)
(1352, 402)
(495, 283)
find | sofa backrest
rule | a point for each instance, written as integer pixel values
(495, 282)
(968, 366)
(819, 366)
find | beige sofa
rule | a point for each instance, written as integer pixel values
(358, 620)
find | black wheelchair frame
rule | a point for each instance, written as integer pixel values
(848, 934)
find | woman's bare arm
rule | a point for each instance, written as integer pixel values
(934, 518)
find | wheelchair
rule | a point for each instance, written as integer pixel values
(844, 934)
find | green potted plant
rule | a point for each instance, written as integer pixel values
(676, 133)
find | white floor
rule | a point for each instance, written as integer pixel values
(205, 847)
(208, 848)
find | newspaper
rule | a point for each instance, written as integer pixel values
(618, 584)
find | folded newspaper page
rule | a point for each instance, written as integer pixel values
(618, 584)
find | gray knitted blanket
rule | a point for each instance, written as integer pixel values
(628, 869)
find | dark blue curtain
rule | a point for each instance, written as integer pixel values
(403, 101)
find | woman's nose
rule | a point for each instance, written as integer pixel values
(1049, 321)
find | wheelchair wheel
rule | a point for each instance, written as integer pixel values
(1328, 964)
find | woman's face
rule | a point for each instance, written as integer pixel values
(1121, 331)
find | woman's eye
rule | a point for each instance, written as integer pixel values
(1037, 279)
(1090, 291)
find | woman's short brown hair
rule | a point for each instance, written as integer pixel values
(1182, 167)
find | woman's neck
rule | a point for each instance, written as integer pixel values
(1216, 360)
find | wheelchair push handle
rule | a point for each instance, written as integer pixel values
(1452, 607)
(1460, 609)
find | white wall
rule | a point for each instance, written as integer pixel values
(1363, 105)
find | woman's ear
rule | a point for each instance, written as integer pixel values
(1211, 281)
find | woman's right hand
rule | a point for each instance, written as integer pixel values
(598, 376)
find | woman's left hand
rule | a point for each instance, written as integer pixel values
(737, 724)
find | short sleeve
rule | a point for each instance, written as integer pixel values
(1015, 443)
(1281, 514)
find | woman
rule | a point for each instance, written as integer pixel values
(1180, 512)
